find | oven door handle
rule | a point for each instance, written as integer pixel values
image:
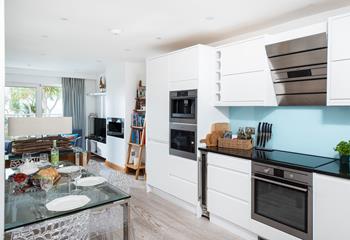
(280, 184)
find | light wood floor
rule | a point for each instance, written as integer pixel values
(155, 218)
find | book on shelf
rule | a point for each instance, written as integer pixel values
(138, 120)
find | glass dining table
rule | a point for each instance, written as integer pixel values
(25, 209)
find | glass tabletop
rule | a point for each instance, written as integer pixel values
(28, 208)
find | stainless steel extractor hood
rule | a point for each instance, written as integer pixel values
(299, 70)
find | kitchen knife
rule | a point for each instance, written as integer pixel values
(258, 135)
(263, 135)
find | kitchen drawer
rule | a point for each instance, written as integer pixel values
(231, 209)
(230, 182)
(183, 189)
(183, 168)
(233, 163)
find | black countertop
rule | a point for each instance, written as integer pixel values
(304, 162)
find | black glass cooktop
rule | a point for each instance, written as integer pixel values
(290, 158)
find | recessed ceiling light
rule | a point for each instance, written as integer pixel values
(127, 49)
(29, 65)
(44, 36)
(98, 60)
(42, 54)
(209, 18)
(159, 38)
(115, 31)
(63, 19)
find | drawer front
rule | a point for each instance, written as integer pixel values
(230, 209)
(183, 189)
(232, 183)
(184, 168)
(233, 163)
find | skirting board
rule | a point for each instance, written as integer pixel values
(114, 166)
(173, 199)
(233, 228)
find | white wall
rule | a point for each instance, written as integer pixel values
(121, 83)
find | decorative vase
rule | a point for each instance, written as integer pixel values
(344, 164)
(344, 159)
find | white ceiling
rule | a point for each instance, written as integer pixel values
(74, 36)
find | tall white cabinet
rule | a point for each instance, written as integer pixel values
(338, 86)
(185, 69)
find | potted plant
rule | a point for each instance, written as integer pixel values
(343, 148)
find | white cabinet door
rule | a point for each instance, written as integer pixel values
(157, 115)
(331, 207)
(339, 37)
(183, 65)
(339, 83)
(157, 166)
(246, 89)
(245, 56)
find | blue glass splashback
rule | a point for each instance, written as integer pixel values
(310, 130)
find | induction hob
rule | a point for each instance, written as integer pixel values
(296, 160)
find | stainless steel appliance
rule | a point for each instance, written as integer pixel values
(183, 106)
(183, 140)
(299, 70)
(282, 198)
(202, 183)
(115, 127)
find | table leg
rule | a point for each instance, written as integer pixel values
(126, 220)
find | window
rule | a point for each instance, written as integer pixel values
(51, 101)
(32, 101)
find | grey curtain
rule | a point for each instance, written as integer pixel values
(73, 90)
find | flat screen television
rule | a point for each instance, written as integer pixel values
(100, 129)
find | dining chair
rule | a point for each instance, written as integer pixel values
(69, 227)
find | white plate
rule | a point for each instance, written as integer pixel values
(67, 203)
(69, 169)
(28, 171)
(90, 181)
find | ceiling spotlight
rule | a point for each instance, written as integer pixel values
(159, 38)
(63, 19)
(127, 49)
(98, 60)
(115, 31)
(29, 65)
(42, 54)
(44, 36)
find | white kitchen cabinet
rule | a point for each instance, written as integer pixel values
(338, 82)
(229, 185)
(244, 56)
(244, 89)
(157, 104)
(158, 165)
(339, 37)
(183, 64)
(243, 75)
(331, 207)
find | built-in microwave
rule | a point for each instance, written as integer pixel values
(183, 140)
(183, 106)
(115, 127)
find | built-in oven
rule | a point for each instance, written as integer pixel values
(115, 127)
(183, 106)
(183, 140)
(282, 198)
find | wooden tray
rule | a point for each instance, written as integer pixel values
(235, 143)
